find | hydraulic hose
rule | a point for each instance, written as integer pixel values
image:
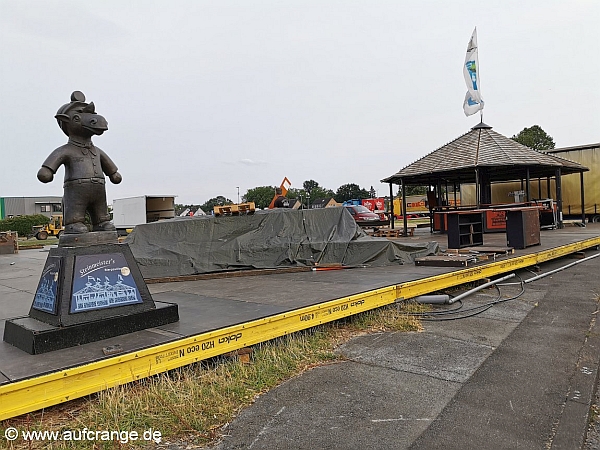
(529, 280)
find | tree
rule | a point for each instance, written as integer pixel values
(535, 138)
(309, 185)
(350, 191)
(320, 192)
(210, 204)
(311, 191)
(261, 196)
(23, 224)
(293, 193)
(413, 190)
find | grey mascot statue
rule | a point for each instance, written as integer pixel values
(85, 167)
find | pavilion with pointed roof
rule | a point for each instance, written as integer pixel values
(482, 157)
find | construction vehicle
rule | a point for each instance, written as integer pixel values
(54, 228)
(285, 185)
(235, 209)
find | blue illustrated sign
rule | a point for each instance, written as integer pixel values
(102, 281)
(45, 295)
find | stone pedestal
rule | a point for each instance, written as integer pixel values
(90, 289)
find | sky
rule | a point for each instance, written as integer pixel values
(209, 98)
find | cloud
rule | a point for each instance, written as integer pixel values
(68, 23)
(251, 162)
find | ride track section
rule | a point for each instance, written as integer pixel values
(31, 394)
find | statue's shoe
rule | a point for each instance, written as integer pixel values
(76, 228)
(105, 226)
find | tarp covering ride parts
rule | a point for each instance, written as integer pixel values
(268, 239)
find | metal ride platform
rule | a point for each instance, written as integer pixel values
(222, 314)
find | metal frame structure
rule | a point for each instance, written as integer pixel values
(63, 385)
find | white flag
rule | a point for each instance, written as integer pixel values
(473, 100)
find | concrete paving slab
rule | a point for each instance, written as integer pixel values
(419, 353)
(341, 406)
(6, 290)
(12, 272)
(15, 304)
(480, 330)
(488, 328)
(28, 284)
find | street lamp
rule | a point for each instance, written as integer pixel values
(238, 188)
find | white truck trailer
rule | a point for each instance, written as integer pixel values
(132, 211)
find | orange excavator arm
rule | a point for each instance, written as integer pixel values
(285, 185)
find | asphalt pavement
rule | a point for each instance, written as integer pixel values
(522, 374)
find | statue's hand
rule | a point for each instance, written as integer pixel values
(115, 178)
(45, 175)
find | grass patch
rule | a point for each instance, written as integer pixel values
(34, 243)
(190, 404)
(387, 318)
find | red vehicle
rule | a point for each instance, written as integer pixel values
(363, 216)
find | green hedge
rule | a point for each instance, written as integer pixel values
(23, 224)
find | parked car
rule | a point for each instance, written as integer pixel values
(362, 213)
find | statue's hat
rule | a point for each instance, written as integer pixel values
(77, 100)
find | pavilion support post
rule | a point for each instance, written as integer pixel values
(447, 198)
(404, 215)
(391, 206)
(477, 188)
(582, 198)
(454, 187)
(527, 185)
(559, 200)
(486, 187)
(548, 187)
(431, 204)
(539, 188)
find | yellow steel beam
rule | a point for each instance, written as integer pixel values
(444, 281)
(46, 390)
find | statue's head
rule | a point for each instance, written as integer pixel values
(79, 118)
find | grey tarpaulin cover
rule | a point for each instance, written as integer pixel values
(264, 240)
